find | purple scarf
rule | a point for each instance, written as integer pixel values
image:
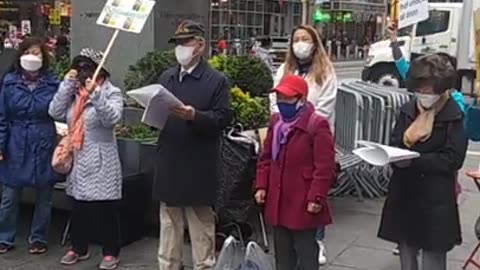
(280, 134)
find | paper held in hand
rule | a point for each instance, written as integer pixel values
(157, 101)
(381, 155)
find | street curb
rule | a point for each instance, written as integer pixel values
(356, 63)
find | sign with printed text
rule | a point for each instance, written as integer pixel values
(412, 12)
(55, 17)
(126, 15)
(12, 30)
(476, 25)
(26, 27)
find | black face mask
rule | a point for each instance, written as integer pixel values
(83, 75)
(85, 70)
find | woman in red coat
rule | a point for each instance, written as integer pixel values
(294, 174)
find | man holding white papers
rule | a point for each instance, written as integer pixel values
(188, 152)
(421, 211)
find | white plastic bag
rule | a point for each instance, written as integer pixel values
(231, 256)
(257, 259)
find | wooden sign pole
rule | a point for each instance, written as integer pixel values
(105, 54)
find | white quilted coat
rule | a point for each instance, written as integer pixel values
(96, 173)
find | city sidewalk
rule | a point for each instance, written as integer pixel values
(351, 241)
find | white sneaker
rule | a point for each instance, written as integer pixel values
(322, 254)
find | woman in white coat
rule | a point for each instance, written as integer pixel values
(307, 58)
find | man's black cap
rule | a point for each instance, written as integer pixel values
(188, 29)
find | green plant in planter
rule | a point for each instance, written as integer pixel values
(246, 72)
(250, 112)
(139, 132)
(148, 68)
(60, 66)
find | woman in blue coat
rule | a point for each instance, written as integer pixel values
(27, 142)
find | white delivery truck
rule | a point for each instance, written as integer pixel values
(449, 29)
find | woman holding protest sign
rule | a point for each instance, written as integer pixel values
(91, 110)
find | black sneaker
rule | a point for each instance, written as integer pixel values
(4, 248)
(37, 248)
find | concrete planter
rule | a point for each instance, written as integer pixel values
(132, 115)
(131, 156)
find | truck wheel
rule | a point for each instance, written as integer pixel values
(386, 75)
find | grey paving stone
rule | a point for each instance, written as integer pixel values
(351, 241)
(368, 259)
(334, 267)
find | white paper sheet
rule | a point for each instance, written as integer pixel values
(381, 155)
(158, 102)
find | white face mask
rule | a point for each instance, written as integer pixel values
(302, 50)
(30, 62)
(427, 100)
(184, 54)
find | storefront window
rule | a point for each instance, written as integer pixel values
(250, 19)
(251, 5)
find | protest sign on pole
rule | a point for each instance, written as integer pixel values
(126, 15)
(412, 12)
(123, 15)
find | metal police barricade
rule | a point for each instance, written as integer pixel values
(364, 112)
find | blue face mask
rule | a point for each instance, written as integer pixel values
(288, 111)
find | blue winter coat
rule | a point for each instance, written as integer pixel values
(27, 132)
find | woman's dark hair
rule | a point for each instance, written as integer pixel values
(451, 59)
(432, 70)
(27, 44)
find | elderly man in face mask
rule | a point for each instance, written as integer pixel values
(188, 151)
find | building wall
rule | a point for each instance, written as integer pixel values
(169, 13)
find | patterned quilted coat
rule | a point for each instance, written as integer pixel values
(96, 173)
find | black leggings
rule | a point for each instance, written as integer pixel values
(99, 218)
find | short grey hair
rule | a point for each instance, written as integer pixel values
(203, 40)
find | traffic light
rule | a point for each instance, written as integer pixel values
(347, 17)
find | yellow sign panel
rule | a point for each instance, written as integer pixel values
(394, 10)
(476, 22)
(55, 17)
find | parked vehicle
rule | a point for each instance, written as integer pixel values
(449, 29)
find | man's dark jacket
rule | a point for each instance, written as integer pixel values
(187, 161)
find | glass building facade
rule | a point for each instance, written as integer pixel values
(347, 19)
(35, 14)
(357, 22)
(244, 19)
